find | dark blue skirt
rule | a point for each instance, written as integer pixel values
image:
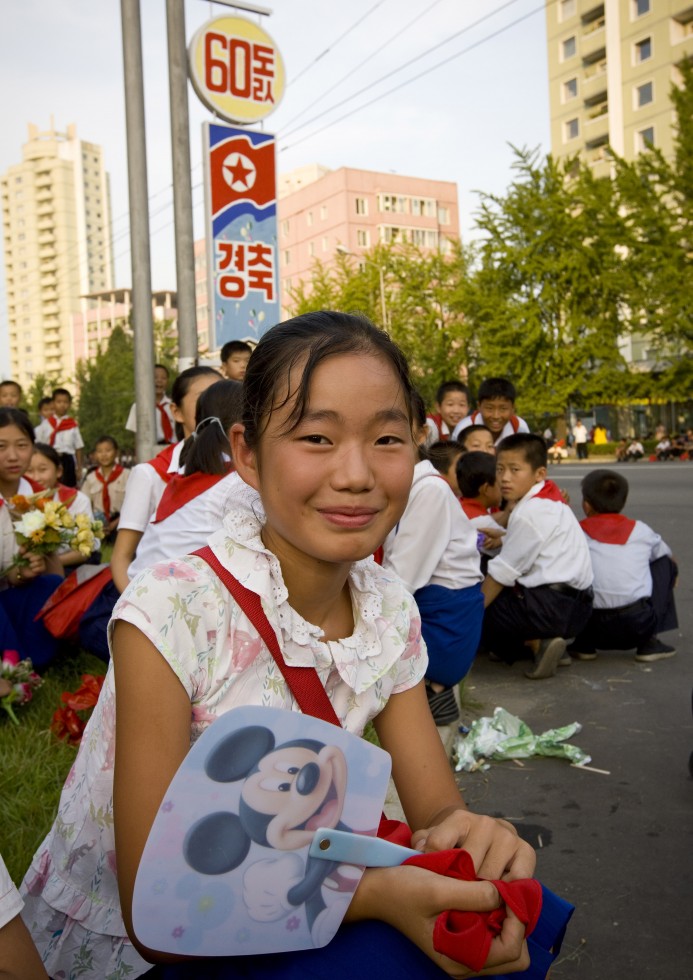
(451, 626)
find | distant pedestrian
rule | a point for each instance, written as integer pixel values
(580, 436)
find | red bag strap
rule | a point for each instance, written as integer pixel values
(303, 682)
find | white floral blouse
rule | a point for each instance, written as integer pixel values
(72, 907)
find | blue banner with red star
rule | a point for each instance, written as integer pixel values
(241, 219)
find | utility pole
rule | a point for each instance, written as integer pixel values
(139, 229)
(182, 192)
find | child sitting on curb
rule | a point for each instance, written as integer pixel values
(634, 576)
(538, 590)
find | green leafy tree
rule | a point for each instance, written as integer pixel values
(406, 290)
(41, 387)
(107, 390)
(655, 195)
(545, 298)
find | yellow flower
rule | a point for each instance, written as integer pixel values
(82, 521)
(68, 520)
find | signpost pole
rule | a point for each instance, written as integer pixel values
(182, 193)
(139, 229)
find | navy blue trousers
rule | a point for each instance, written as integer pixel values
(370, 951)
(451, 626)
(18, 630)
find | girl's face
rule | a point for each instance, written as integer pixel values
(105, 454)
(15, 453)
(44, 472)
(185, 412)
(334, 486)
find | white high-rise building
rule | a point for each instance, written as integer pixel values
(56, 216)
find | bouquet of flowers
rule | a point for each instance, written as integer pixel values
(43, 524)
(69, 722)
(18, 681)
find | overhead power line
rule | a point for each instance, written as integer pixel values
(410, 61)
(415, 78)
(337, 41)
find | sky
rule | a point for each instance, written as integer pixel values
(485, 88)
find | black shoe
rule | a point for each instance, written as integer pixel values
(652, 650)
(443, 705)
(547, 659)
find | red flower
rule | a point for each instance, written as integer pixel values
(67, 724)
(11, 657)
(85, 696)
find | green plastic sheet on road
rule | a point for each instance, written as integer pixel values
(504, 736)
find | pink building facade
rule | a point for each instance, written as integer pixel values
(323, 212)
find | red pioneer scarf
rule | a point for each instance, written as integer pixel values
(549, 492)
(608, 528)
(106, 480)
(161, 463)
(180, 490)
(473, 509)
(60, 425)
(166, 426)
(65, 495)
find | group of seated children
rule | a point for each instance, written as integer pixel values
(548, 581)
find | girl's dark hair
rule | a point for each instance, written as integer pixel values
(289, 353)
(181, 386)
(442, 454)
(103, 439)
(49, 452)
(219, 406)
(18, 417)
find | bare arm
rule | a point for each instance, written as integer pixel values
(431, 800)
(142, 776)
(490, 590)
(19, 959)
(123, 553)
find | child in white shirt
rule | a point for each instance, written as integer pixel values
(538, 589)
(634, 576)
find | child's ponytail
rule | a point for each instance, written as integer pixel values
(207, 450)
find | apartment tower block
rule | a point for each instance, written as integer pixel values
(56, 216)
(611, 67)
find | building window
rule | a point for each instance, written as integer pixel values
(423, 205)
(323, 212)
(311, 249)
(363, 238)
(567, 9)
(393, 204)
(643, 50)
(644, 94)
(645, 138)
(640, 7)
(287, 256)
(285, 227)
(309, 219)
(443, 216)
(571, 130)
(324, 244)
(570, 89)
(568, 48)
(361, 205)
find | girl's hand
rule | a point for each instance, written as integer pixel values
(494, 845)
(411, 899)
(25, 573)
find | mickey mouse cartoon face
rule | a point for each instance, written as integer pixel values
(289, 791)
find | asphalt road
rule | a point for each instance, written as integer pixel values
(619, 844)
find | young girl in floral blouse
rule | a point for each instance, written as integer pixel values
(327, 456)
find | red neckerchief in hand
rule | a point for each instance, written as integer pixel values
(166, 427)
(161, 463)
(180, 490)
(608, 528)
(549, 492)
(60, 425)
(105, 480)
(466, 936)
